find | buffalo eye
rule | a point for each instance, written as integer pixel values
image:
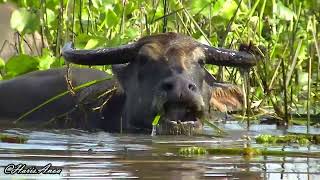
(202, 62)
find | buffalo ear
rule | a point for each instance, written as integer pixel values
(226, 97)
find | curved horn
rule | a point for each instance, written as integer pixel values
(226, 57)
(103, 56)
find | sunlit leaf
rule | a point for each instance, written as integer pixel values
(21, 64)
(129, 35)
(255, 23)
(130, 7)
(302, 78)
(50, 16)
(25, 21)
(114, 42)
(82, 40)
(283, 12)
(111, 18)
(2, 63)
(155, 14)
(108, 2)
(156, 120)
(85, 41)
(200, 6)
(46, 60)
(303, 53)
(96, 3)
(57, 63)
(52, 4)
(92, 43)
(224, 8)
(203, 40)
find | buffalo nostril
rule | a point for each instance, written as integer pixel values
(168, 86)
(192, 87)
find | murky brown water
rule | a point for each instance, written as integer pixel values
(100, 155)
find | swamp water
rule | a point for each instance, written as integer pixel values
(101, 155)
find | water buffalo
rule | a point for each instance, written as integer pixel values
(160, 74)
(164, 74)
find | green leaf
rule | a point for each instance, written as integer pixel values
(24, 21)
(130, 7)
(129, 35)
(92, 43)
(114, 42)
(200, 6)
(57, 63)
(156, 120)
(2, 63)
(303, 53)
(50, 16)
(203, 40)
(111, 19)
(224, 8)
(21, 64)
(85, 41)
(52, 4)
(303, 78)
(82, 40)
(108, 2)
(46, 60)
(155, 14)
(96, 3)
(283, 12)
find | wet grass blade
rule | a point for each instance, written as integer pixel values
(156, 120)
(213, 126)
(77, 88)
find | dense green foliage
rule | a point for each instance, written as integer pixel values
(301, 139)
(247, 152)
(288, 30)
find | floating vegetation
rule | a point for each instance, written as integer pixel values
(193, 151)
(13, 139)
(246, 152)
(187, 128)
(301, 139)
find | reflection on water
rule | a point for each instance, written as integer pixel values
(101, 155)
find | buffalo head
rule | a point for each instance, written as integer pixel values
(164, 74)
